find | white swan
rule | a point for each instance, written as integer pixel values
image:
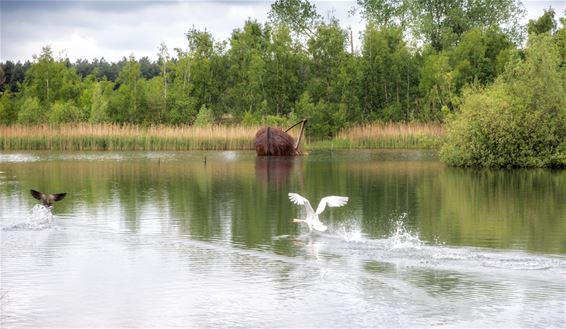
(312, 216)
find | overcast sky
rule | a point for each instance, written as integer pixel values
(114, 29)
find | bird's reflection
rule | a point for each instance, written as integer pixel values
(311, 245)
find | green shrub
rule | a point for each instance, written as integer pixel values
(519, 121)
(8, 113)
(250, 119)
(31, 111)
(205, 117)
(275, 121)
(64, 112)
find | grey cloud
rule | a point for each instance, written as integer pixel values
(14, 6)
(115, 34)
(114, 29)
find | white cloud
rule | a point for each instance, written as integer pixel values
(86, 33)
(95, 29)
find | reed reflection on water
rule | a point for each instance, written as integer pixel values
(167, 239)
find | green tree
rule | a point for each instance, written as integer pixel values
(182, 107)
(560, 40)
(284, 80)
(544, 24)
(475, 58)
(385, 13)
(441, 23)
(155, 101)
(8, 114)
(39, 78)
(127, 103)
(14, 74)
(197, 77)
(330, 99)
(148, 68)
(246, 75)
(388, 74)
(49, 80)
(84, 102)
(204, 68)
(300, 15)
(436, 86)
(30, 111)
(99, 110)
(164, 58)
(64, 112)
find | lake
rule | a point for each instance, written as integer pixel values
(206, 239)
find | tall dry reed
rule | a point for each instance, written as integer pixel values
(92, 137)
(125, 137)
(389, 135)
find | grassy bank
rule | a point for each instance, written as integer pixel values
(112, 137)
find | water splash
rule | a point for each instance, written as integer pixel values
(15, 158)
(402, 238)
(349, 232)
(39, 218)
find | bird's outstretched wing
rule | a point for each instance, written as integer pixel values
(37, 195)
(297, 199)
(58, 196)
(331, 201)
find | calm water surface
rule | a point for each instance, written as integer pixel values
(163, 239)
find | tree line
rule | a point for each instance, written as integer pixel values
(414, 62)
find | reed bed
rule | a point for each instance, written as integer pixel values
(388, 135)
(113, 137)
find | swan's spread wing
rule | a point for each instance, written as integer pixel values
(331, 201)
(297, 199)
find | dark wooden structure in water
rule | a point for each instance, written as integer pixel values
(270, 141)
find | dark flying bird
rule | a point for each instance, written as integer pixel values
(47, 199)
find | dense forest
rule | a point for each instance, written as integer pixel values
(415, 61)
